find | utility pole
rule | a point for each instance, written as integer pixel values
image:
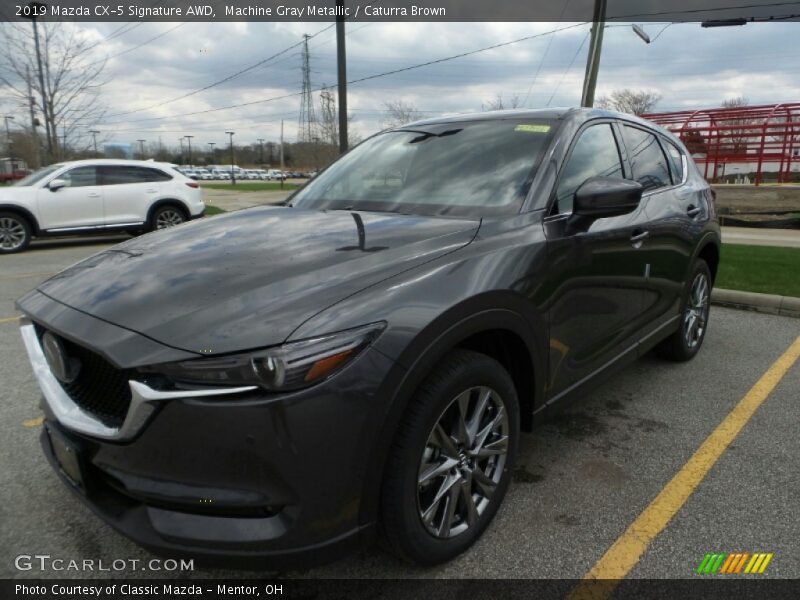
(141, 147)
(32, 106)
(189, 137)
(94, 133)
(593, 59)
(341, 67)
(261, 149)
(36, 8)
(233, 174)
(64, 143)
(8, 118)
(281, 153)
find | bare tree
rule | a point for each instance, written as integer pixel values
(499, 104)
(399, 113)
(634, 102)
(68, 103)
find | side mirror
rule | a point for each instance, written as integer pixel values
(603, 197)
(57, 184)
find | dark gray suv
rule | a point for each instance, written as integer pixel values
(280, 384)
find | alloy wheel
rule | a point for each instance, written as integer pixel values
(12, 233)
(168, 218)
(462, 462)
(696, 314)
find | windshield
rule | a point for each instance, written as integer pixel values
(37, 176)
(474, 169)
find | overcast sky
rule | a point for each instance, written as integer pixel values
(691, 67)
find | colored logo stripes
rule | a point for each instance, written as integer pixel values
(741, 562)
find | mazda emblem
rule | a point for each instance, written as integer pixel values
(64, 368)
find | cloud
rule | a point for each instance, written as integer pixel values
(689, 66)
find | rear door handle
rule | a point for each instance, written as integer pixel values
(151, 191)
(94, 195)
(638, 237)
(693, 210)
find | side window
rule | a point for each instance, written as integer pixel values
(150, 175)
(647, 159)
(81, 176)
(675, 162)
(118, 175)
(595, 154)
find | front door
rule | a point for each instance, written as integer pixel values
(596, 277)
(78, 204)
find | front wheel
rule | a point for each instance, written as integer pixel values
(687, 340)
(15, 233)
(452, 459)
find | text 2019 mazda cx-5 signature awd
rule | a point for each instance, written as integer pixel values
(279, 383)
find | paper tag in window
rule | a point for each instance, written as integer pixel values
(533, 128)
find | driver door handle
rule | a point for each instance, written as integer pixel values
(693, 210)
(94, 195)
(639, 236)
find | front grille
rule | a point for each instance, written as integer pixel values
(100, 389)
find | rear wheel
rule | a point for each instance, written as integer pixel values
(687, 340)
(167, 216)
(452, 459)
(15, 233)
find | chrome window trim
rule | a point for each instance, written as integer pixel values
(144, 399)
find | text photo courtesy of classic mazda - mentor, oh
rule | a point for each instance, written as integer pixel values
(287, 383)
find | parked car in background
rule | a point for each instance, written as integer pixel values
(292, 381)
(90, 196)
(12, 169)
(274, 174)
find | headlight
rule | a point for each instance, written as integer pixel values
(288, 367)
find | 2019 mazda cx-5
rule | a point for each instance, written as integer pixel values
(281, 383)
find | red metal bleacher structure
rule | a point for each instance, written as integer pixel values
(753, 135)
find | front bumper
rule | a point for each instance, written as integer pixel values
(250, 479)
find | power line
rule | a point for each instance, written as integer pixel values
(221, 81)
(365, 78)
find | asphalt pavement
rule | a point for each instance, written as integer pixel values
(582, 477)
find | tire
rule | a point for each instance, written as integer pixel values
(421, 448)
(15, 233)
(683, 345)
(166, 215)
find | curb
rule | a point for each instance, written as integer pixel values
(772, 304)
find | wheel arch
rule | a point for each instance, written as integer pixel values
(709, 252)
(502, 333)
(23, 212)
(168, 202)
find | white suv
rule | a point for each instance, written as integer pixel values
(96, 195)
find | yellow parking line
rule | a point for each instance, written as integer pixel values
(8, 320)
(24, 275)
(601, 580)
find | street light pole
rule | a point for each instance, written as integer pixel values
(181, 141)
(261, 151)
(341, 64)
(189, 137)
(212, 144)
(141, 147)
(233, 175)
(94, 133)
(593, 59)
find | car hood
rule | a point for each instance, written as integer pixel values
(248, 279)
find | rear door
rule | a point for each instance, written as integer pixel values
(668, 246)
(78, 204)
(129, 192)
(597, 275)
